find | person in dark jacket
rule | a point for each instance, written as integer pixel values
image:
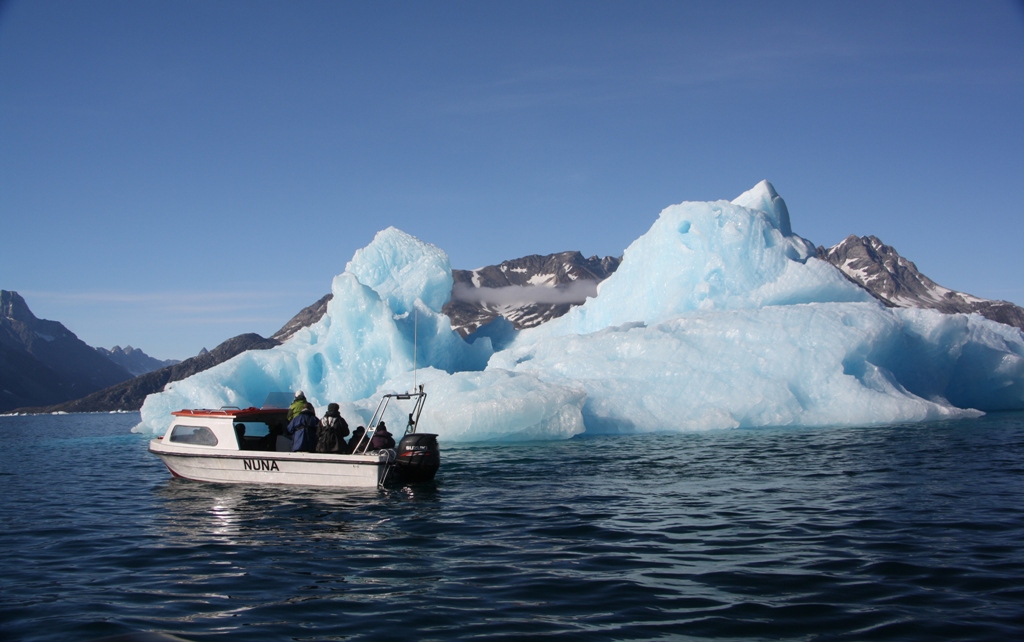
(382, 438)
(354, 444)
(303, 430)
(332, 433)
(297, 405)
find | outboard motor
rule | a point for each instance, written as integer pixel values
(418, 458)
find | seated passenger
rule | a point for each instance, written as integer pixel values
(332, 432)
(269, 441)
(382, 438)
(356, 443)
(303, 430)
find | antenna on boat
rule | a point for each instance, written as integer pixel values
(415, 350)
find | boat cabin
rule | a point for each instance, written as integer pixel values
(232, 429)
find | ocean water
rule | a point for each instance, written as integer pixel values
(910, 532)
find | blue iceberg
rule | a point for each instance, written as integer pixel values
(718, 317)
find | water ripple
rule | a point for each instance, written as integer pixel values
(897, 532)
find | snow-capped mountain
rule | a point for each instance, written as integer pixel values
(527, 291)
(896, 281)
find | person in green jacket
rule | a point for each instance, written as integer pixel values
(297, 405)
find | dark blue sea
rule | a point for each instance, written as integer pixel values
(909, 532)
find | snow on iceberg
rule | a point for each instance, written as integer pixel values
(719, 316)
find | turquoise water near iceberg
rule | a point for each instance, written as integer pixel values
(910, 532)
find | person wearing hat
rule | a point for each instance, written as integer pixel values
(382, 438)
(332, 433)
(303, 429)
(355, 445)
(297, 405)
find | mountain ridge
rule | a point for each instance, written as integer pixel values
(480, 296)
(129, 395)
(897, 283)
(42, 362)
(510, 290)
(134, 360)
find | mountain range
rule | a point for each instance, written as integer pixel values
(42, 362)
(525, 292)
(133, 360)
(129, 395)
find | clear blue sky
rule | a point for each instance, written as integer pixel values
(175, 173)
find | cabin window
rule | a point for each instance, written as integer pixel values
(254, 429)
(252, 435)
(194, 435)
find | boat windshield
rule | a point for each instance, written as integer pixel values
(279, 400)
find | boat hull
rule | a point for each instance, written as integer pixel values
(286, 468)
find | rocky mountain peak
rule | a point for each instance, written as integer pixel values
(43, 362)
(13, 306)
(306, 317)
(880, 269)
(134, 360)
(896, 281)
(527, 291)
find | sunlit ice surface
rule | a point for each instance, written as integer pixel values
(718, 317)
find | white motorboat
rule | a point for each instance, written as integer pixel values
(247, 445)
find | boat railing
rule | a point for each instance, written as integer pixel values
(378, 416)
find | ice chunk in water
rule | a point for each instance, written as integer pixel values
(718, 316)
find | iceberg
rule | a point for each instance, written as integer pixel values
(718, 317)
